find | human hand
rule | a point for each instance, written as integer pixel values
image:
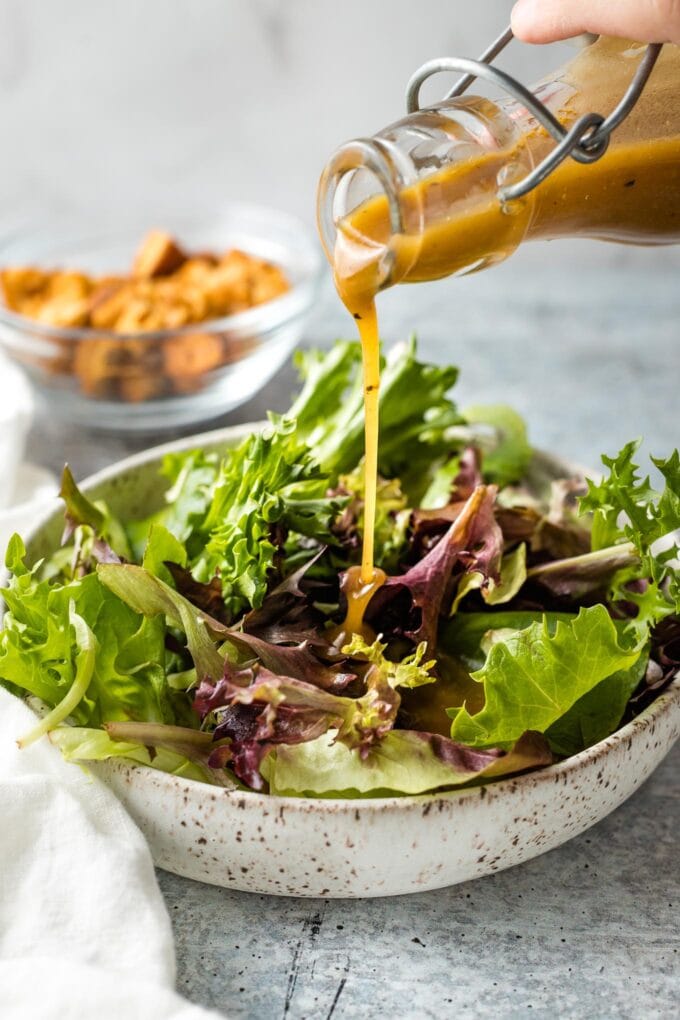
(543, 21)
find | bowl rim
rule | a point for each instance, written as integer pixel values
(665, 701)
(277, 312)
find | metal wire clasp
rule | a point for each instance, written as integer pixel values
(585, 141)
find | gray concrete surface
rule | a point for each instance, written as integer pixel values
(590, 352)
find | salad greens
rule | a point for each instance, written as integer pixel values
(532, 677)
(522, 619)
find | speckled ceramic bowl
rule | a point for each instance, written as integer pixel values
(383, 847)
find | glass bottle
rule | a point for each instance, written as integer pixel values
(420, 201)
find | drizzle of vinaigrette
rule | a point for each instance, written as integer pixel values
(358, 594)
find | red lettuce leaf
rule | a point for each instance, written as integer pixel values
(469, 475)
(288, 617)
(258, 709)
(150, 596)
(281, 599)
(207, 597)
(474, 542)
(428, 525)
(297, 661)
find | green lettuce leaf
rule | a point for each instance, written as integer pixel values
(463, 635)
(79, 646)
(598, 713)
(86, 644)
(404, 762)
(79, 512)
(629, 514)
(232, 518)
(625, 507)
(409, 672)
(162, 547)
(513, 573)
(415, 414)
(143, 593)
(502, 437)
(192, 477)
(84, 744)
(440, 482)
(533, 677)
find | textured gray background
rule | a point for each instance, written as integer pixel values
(134, 107)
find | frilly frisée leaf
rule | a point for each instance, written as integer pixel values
(409, 672)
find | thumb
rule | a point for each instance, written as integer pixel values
(542, 21)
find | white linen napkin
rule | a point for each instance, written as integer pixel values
(83, 928)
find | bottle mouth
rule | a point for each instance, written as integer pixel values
(358, 173)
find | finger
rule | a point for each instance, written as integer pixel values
(542, 21)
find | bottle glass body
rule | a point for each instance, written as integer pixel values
(419, 200)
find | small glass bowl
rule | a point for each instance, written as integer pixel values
(118, 381)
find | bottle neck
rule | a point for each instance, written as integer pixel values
(387, 204)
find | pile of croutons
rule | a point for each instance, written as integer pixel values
(167, 289)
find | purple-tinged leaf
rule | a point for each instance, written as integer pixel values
(194, 745)
(474, 542)
(580, 575)
(469, 475)
(206, 597)
(256, 709)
